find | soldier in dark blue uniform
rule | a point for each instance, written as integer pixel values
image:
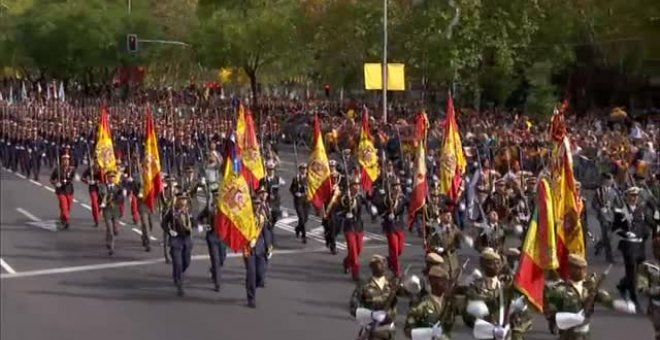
(180, 225)
(272, 184)
(217, 248)
(298, 189)
(257, 253)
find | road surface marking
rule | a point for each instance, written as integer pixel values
(139, 232)
(36, 183)
(49, 188)
(284, 225)
(76, 201)
(20, 175)
(86, 206)
(92, 267)
(37, 222)
(7, 267)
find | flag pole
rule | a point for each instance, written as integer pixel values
(384, 64)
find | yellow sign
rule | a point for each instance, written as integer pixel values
(373, 77)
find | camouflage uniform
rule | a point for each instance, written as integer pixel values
(648, 283)
(429, 311)
(372, 296)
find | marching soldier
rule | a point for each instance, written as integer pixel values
(393, 224)
(331, 221)
(499, 201)
(298, 189)
(578, 295)
(92, 177)
(434, 309)
(166, 202)
(272, 184)
(604, 202)
(378, 294)
(630, 223)
(648, 283)
(489, 297)
(144, 213)
(431, 260)
(492, 235)
(445, 239)
(112, 195)
(217, 248)
(62, 178)
(350, 210)
(180, 224)
(258, 252)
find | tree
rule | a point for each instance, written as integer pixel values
(254, 35)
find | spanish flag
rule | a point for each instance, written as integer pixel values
(319, 182)
(367, 156)
(105, 152)
(420, 185)
(570, 239)
(236, 224)
(151, 182)
(452, 159)
(539, 249)
(253, 169)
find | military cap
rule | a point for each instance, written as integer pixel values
(578, 185)
(577, 260)
(377, 258)
(302, 166)
(332, 162)
(489, 254)
(531, 180)
(181, 196)
(270, 165)
(65, 156)
(438, 271)
(434, 258)
(633, 191)
(608, 176)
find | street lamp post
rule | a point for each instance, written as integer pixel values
(384, 66)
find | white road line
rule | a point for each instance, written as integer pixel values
(76, 201)
(28, 215)
(139, 232)
(92, 267)
(86, 206)
(49, 188)
(20, 175)
(283, 226)
(7, 267)
(36, 183)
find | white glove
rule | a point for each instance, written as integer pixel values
(43, 155)
(58, 184)
(625, 306)
(140, 195)
(92, 182)
(102, 206)
(173, 233)
(379, 316)
(603, 210)
(374, 210)
(381, 191)
(390, 217)
(253, 243)
(298, 194)
(124, 192)
(461, 206)
(285, 214)
(200, 228)
(656, 215)
(630, 234)
(130, 179)
(519, 305)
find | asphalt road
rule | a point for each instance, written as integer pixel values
(62, 284)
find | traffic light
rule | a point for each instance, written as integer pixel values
(132, 43)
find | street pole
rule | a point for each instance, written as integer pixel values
(384, 66)
(129, 7)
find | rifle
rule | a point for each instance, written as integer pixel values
(589, 303)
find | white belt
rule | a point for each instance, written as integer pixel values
(634, 240)
(385, 328)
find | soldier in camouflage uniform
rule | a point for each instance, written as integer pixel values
(432, 259)
(572, 295)
(648, 283)
(445, 239)
(434, 308)
(111, 195)
(495, 290)
(378, 294)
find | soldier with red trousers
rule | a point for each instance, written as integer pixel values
(92, 176)
(62, 179)
(350, 212)
(392, 212)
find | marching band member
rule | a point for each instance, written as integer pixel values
(62, 179)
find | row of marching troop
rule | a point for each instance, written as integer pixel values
(516, 201)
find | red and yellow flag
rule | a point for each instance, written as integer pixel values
(236, 224)
(420, 185)
(539, 249)
(105, 152)
(246, 137)
(570, 239)
(151, 181)
(452, 158)
(319, 182)
(367, 155)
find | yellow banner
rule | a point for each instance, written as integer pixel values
(105, 152)
(367, 155)
(235, 203)
(151, 174)
(373, 77)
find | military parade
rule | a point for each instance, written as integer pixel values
(306, 169)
